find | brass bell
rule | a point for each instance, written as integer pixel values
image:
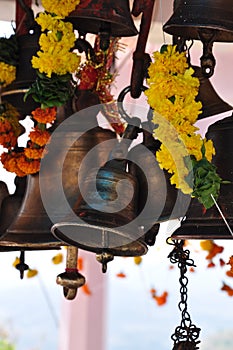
(106, 18)
(212, 103)
(105, 213)
(25, 75)
(158, 200)
(29, 228)
(192, 16)
(206, 20)
(214, 223)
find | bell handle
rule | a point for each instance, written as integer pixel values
(141, 60)
(208, 61)
(69, 293)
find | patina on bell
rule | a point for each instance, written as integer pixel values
(96, 16)
(209, 224)
(29, 228)
(106, 210)
(192, 16)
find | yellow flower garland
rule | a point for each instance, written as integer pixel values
(60, 7)
(171, 93)
(56, 41)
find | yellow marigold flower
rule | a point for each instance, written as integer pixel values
(137, 260)
(7, 74)
(57, 259)
(194, 144)
(209, 149)
(16, 261)
(59, 63)
(31, 273)
(207, 244)
(60, 7)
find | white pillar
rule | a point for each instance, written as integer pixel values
(82, 320)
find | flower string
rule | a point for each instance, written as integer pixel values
(95, 75)
(183, 152)
(54, 63)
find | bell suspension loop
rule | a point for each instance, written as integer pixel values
(186, 334)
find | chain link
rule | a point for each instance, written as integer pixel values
(186, 334)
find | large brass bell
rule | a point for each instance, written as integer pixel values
(106, 210)
(212, 103)
(214, 223)
(31, 226)
(206, 20)
(107, 18)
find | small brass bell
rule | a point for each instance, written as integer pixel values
(106, 211)
(210, 224)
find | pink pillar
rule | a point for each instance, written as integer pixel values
(82, 320)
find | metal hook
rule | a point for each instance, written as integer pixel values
(121, 98)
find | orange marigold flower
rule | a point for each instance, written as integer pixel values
(5, 126)
(10, 163)
(229, 273)
(40, 137)
(211, 264)
(230, 262)
(8, 140)
(222, 262)
(121, 275)
(28, 166)
(216, 249)
(227, 289)
(44, 116)
(80, 264)
(86, 289)
(161, 299)
(34, 153)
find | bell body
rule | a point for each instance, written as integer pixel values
(209, 224)
(158, 200)
(191, 16)
(106, 208)
(31, 226)
(91, 16)
(212, 103)
(25, 75)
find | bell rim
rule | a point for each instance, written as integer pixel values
(116, 251)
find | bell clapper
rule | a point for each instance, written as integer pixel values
(22, 266)
(104, 257)
(71, 279)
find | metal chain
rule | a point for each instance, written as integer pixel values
(186, 334)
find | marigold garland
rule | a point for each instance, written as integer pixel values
(60, 7)
(171, 93)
